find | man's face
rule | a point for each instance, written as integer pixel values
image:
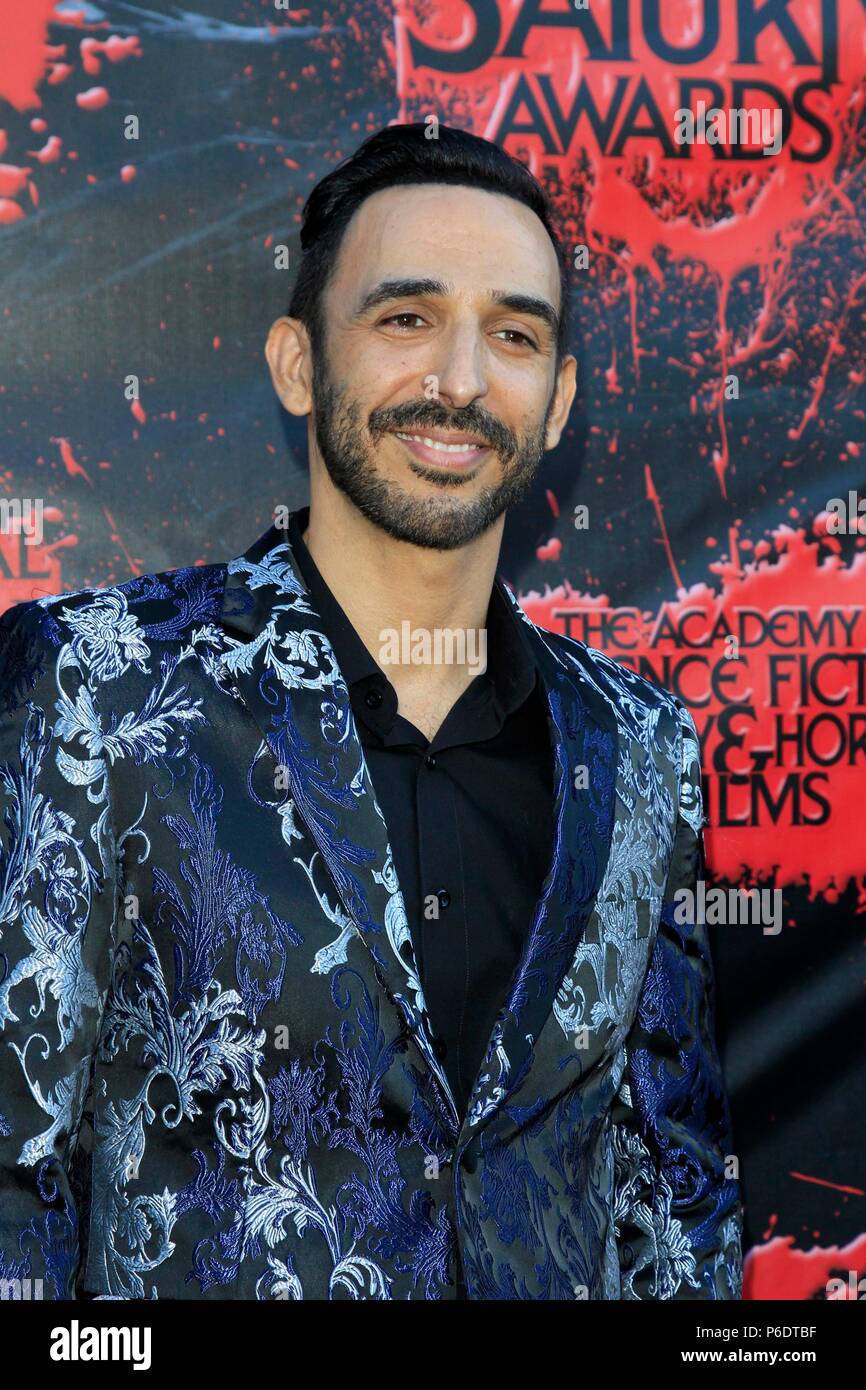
(436, 391)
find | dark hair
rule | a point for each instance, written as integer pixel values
(401, 154)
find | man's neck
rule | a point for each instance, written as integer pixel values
(382, 583)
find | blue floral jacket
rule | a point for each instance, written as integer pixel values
(217, 1077)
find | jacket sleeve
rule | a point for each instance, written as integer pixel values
(678, 1212)
(56, 914)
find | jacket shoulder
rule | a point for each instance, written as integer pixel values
(170, 603)
(111, 632)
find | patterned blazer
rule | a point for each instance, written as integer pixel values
(217, 1077)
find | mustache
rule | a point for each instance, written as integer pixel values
(472, 420)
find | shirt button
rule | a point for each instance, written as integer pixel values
(373, 699)
(626, 1256)
(440, 1049)
(430, 760)
(444, 897)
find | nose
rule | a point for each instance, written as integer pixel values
(459, 365)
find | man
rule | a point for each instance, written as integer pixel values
(340, 957)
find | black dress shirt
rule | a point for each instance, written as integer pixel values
(469, 817)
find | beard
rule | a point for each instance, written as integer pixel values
(446, 520)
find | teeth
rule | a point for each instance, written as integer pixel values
(437, 444)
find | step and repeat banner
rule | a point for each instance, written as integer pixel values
(703, 519)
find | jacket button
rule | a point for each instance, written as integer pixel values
(373, 699)
(626, 1256)
(440, 1048)
(470, 1159)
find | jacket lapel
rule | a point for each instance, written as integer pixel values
(283, 668)
(279, 662)
(585, 745)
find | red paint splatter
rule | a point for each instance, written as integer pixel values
(834, 349)
(551, 550)
(70, 463)
(611, 377)
(12, 180)
(27, 60)
(76, 19)
(50, 152)
(652, 496)
(771, 1226)
(114, 49)
(836, 1186)
(22, 52)
(777, 1270)
(93, 99)
(134, 567)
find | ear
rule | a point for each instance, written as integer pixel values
(290, 359)
(566, 385)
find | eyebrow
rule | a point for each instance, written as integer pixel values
(518, 303)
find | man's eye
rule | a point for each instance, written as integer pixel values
(407, 314)
(515, 333)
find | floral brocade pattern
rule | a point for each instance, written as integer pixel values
(217, 1071)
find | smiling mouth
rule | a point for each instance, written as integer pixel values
(448, 453)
